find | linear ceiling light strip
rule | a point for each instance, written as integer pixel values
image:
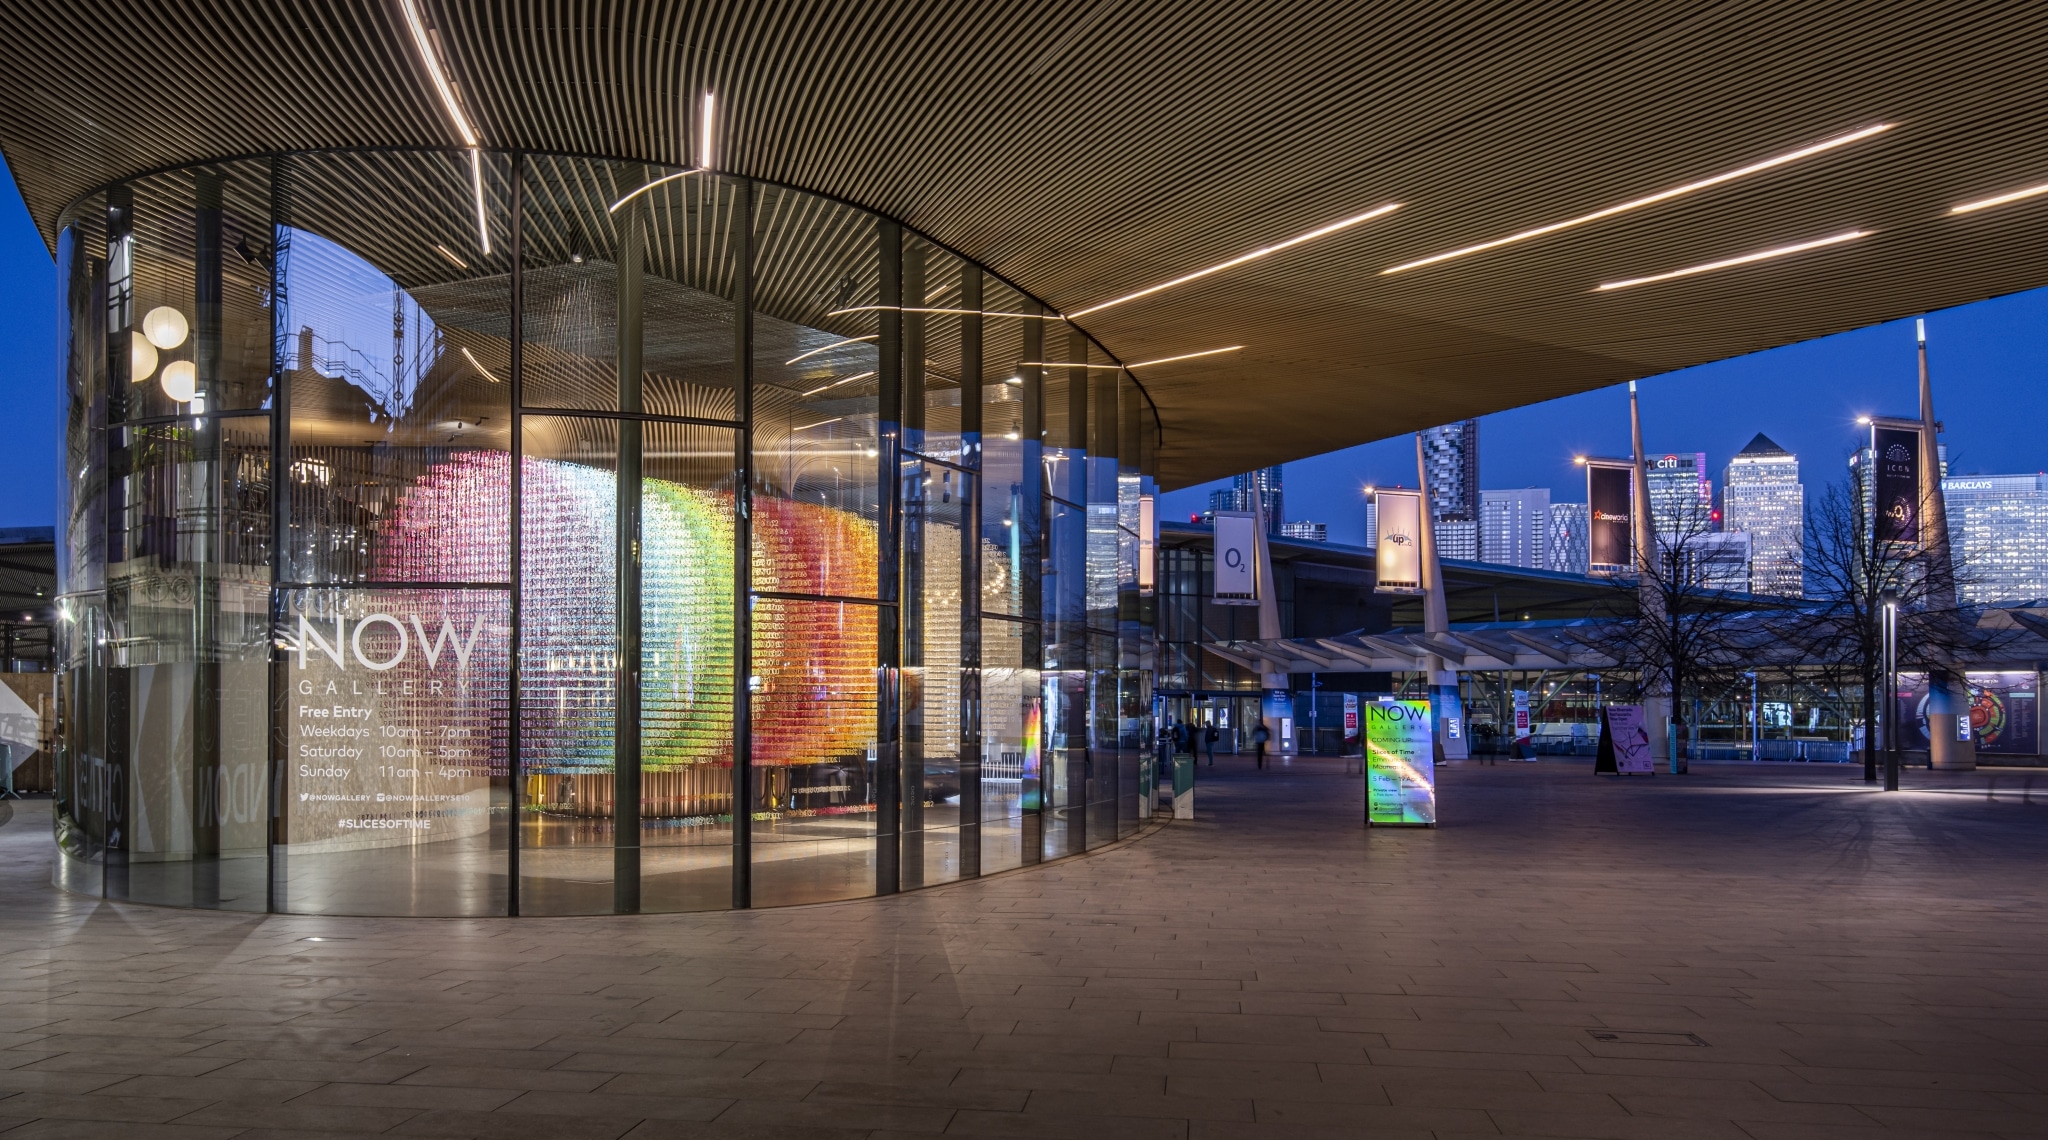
(703, 160)
(828, 348)
(1745, 259)
(837, 383)
(423, 40)
(1334, 227)
(481, 370)
(1650, 200)
(960, 312)
(2000, 200)
(1133, 364)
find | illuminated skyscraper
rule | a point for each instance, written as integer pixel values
(1450, 460)
(1998, 530)
(1681, 499)
(1761, 497)
(1567, 538)
(1514, 527)
(1251, 490)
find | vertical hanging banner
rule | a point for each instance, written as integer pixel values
(1350, 720)
(1624, 743)
(1895, 475)
(1610, 506)
(1398, 559)
(1237, 559)
(1148, 543)
(1400, 769)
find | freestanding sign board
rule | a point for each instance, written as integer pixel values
(1525, 748)
(1350, 719)
(1624, 743)
(1400, 769)
(1237, 559)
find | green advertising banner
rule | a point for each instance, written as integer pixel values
(1400, 772)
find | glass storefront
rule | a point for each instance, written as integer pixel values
(469, 534)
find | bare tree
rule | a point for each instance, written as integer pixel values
(1848, 574)
(1679, 617)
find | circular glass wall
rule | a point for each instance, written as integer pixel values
(470, 533)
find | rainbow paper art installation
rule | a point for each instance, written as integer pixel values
(814, 662)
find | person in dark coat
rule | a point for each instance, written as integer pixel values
(1259, 737)
(1209, 738)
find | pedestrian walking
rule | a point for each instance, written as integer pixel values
(1209, 738)
(1259, 738)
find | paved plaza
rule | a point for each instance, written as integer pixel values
(1756, 952)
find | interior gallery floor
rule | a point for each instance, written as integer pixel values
(1750, 952)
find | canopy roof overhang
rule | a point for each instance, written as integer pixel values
(1084, 149)
(2004, 637)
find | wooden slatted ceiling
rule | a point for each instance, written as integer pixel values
(1171, 135)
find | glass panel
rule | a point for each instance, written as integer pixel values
(395, 351)
(397, 795)
(681, 777)
(931, 350)
(199, 295)
(1009, 464)
(189, 618)
(817, 489)
(1106, 767)
(668, 247)
(935, 500)
(814, 698)
(1010, 734)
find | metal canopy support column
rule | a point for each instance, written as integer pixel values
(969, 744)
(743, 547)
(1030, 525)
(120, 321)
(626, 670)
(513, 674)
(913, 620)
(205, 552)
(280, 545)
(1076, 709)
(889, 432)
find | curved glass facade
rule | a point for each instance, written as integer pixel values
(468, 534)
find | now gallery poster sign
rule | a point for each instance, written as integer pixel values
(394, 715)
(1400, 771)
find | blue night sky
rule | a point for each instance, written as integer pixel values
(1989, 362)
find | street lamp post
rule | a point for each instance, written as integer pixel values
(1754, 747)
(1889, 599)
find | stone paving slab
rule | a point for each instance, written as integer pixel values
(1851, 964)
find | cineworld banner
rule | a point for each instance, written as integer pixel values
(1895, 467)
(1398, 563)
(1610, 522)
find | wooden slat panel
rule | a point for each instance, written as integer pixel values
(1163, 136)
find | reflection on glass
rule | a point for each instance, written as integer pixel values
(396, 790)
(680, 771)
(1011, 724)
(816, 385)
(658, 272)
(814, 701)
(394, 357)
